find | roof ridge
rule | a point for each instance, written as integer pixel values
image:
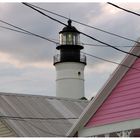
(49, 97)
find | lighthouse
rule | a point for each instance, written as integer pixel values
(70, 64)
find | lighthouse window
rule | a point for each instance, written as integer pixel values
(77, 39)
(62, 38)
(74, 40)
(69, 39)
(79, 73)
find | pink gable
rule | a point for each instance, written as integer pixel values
(124, 101)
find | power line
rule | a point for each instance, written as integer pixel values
(110, 45)
(43, 13)
(14, 30)
(123, 9)
(83, 43)
(84, 24)
(98, 45)
(27, 32)
(87, 44)
(95, 45)
(49, 11)
(83, 52)
(113, 62)
(28, 5)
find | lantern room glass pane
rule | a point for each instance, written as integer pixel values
(60, 39)
(77, 39)
(69, 38)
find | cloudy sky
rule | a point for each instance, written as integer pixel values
(26, 62)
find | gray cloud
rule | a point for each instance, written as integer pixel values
(29, 50)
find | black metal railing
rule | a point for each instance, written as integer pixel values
(58, 58)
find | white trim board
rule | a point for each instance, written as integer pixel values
(109, 128)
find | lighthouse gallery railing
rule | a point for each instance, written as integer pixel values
(57, 59)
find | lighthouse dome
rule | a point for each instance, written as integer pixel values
(69, 28)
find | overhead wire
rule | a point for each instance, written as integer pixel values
(55, 118)
(90, 54)
(82, 52)
(82, 43)
(113, 62)
(134, 13)
(28, 5)
(14, 30)
(84, 24)
(43, 13)
(27, 32)
(30, 33)
(99, 45)
(87, 44)
(120, 50)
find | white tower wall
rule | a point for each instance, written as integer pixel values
(70, 80)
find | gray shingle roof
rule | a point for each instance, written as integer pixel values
(54, 116)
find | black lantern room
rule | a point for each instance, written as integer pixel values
(69, 35)
(70, 45)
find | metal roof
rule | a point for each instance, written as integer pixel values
(39, 116)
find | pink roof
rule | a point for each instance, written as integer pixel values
(123, 103)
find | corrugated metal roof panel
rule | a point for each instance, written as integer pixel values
(35, 106)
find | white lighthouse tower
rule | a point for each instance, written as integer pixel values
(70, 64)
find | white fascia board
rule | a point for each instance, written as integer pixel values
(109, 128)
